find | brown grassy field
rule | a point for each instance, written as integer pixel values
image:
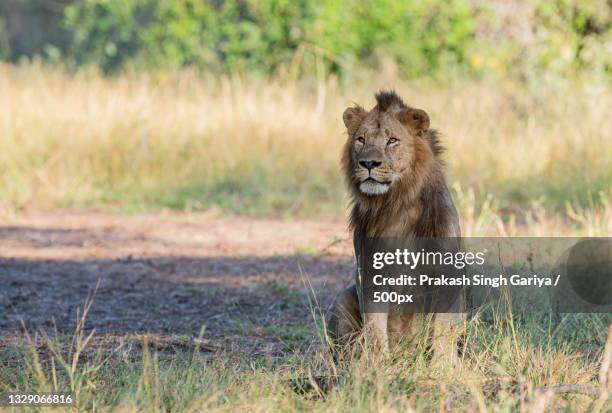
(213, 213)
(183, 141)
(200, 312)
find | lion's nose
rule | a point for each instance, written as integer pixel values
(369, 165)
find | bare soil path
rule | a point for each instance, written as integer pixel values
(170, 274)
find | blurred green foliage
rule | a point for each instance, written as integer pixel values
(421, 38)
(234, 35)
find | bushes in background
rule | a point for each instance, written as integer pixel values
(422, 38)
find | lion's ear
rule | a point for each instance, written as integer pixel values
(353, 117)
(415, 118)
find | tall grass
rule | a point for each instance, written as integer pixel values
(272, 146)
(507, 364)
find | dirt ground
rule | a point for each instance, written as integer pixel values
(171, 274)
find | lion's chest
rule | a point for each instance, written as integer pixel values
(399, 224)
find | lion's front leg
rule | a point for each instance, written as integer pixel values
(345, 322)
(377, 325)
(446, 330)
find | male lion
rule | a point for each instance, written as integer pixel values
(392, 164)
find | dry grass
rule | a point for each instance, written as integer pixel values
(521, 162)
(508, 365)
(272, 147)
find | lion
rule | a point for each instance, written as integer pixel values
(393, 167)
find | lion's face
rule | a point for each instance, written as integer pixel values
(382, 146)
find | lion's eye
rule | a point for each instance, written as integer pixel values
(391, 141)
(361, 139)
